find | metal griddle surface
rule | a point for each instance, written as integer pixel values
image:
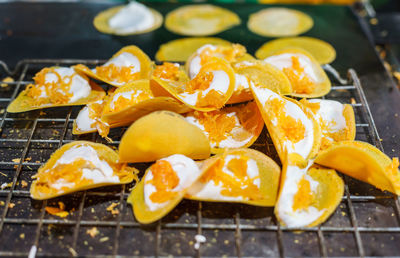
(367, 222)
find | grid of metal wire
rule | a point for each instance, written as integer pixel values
(366, 223)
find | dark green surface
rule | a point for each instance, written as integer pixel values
(65, 30)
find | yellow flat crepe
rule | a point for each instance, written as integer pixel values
(251, 178)
(28, 99)
(77, 166)
(161, 134)
(231, 127)
(308, 195)
(306, 76)
(322, 51)
(264, 75)
(279, 22)
(100, 22)
(121, 74)
(363, 162)
(200, 20)
(179, 50)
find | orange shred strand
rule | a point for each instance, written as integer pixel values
(212, 99)
(165, 180)
(201, 82)
(57, 92)
(301, 83)
(292, 129)
(114, 73)
(216, 123)
(122, 103)
(304, 196)
(238, 185)
(167, 71)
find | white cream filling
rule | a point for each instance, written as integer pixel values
(220, 83)
(241, 82)
(331, 112)
(284, 206)
(302, 147)
(211, 191)
(79, 87)
(285, 61)
(83, 121)
(102, 173)
(187, 172)
(133, 17)
(195, 64)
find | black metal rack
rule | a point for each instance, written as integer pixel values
(367, 222)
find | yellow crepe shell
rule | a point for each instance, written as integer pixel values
(322, 51)
(219, 125)
(144, 73)
(100, 22)
(138, 108)
(279, 22)
(363, 162)
(283, 129)
(324, 199)
(41, 189)
(264, 75)
(329, 136)
(143, 213)
(200, 20)
(95, 109)
(269, 175)
(179, 50)
(161, 134)
(178, 88)
(24, 102)
(299, 86)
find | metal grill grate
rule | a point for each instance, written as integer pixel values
(367, 222)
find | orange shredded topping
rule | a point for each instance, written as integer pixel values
(304, 196)
(249, 117)
(95, 112)
(236, 185)
(57, 211)
(313, 106)
(301, 83)
(167, 71)
(294, 130)
(121, 103)
(212, 99)
(216, 123)
(201, 82)
(165, 180)
(114, 73)
(57, 92)
(230, 53)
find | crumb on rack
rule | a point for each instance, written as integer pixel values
(104, 239)
(24, 184)
(11, 205)
(199, 240)
(6, 80)
(93, 232)
(5, 185)
(111, 208)
(58, 211)
(18, 160)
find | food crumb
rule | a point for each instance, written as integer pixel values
(111, 208)
(5, 185)
(2, 203)
(373, 21)
(343, 213)
(353, 101)
(16, 160)
(342, 249)
(58, 211)
(22, 236)
(296, 241)
(93, 232)
(199, 240)
(11, 205)
(24, 184)
(104, 239)
(7, 79)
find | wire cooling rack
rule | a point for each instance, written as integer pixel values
(366, 223)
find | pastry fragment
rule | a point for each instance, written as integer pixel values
(126, 66)
(279, 22)
(200, 20)
(209, 90)
(308, 195)
(322, 51)
(336, 120)
(79, 166)
(241, 175)
(163, 187)
(363, 162)
(179, 50)
(292, 129)
(131, 19)
(263, 75)
(306, 76)
(161, 134)
(55, 87)
(231, 127)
